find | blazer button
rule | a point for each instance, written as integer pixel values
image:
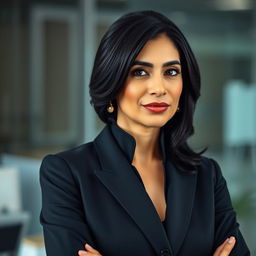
(165, 252)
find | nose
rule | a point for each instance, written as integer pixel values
(157, 87)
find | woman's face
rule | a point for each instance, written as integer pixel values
(152, 90)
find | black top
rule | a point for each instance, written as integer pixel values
(127, 144)
(91, 194)
(163, 222)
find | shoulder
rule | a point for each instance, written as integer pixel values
(83, 151)
(209, 169)
(74, 161)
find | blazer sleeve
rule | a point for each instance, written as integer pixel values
(225, 217)
(62, 216)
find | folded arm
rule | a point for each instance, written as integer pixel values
(62, 215)
(225, 217)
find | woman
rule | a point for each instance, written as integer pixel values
(138, 189)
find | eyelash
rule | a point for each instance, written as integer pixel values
(173, 69)
(140, 70)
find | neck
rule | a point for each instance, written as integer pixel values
(147, 143)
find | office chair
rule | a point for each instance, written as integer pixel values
(12, 228)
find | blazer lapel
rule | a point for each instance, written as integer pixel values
(181, 189)
(121, 180)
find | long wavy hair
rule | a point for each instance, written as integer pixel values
(116, 53)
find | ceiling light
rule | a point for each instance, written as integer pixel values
(233, 5)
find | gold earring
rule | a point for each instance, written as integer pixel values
(110, 108)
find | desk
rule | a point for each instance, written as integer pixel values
(32, 246)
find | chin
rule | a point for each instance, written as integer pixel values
(155, 122)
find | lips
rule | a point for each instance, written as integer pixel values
(156, 104)
(156, 107)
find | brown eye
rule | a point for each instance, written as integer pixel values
(172, 72)
(139, 72)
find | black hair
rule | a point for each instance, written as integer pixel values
(117, 51)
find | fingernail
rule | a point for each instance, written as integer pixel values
(82, 252)
(88, 246)
(231, 240)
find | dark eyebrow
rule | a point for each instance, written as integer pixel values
(170, 63)
(148, 64)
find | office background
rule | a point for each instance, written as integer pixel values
(47, 49)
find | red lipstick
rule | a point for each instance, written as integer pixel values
(156, 107)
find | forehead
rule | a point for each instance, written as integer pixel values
(161, 48)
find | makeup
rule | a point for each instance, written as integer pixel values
(156, 107)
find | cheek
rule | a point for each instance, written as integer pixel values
(131, 92)
(176, 92)
(179, 91)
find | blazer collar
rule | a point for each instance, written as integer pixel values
(127, 143)
(115, 149)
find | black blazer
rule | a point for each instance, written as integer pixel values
(93, 194)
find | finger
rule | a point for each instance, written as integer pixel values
(91, 249)
(85, 253)
(219, 249)
(229, 245)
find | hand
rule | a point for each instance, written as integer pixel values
(89, 251)
(225, 248)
